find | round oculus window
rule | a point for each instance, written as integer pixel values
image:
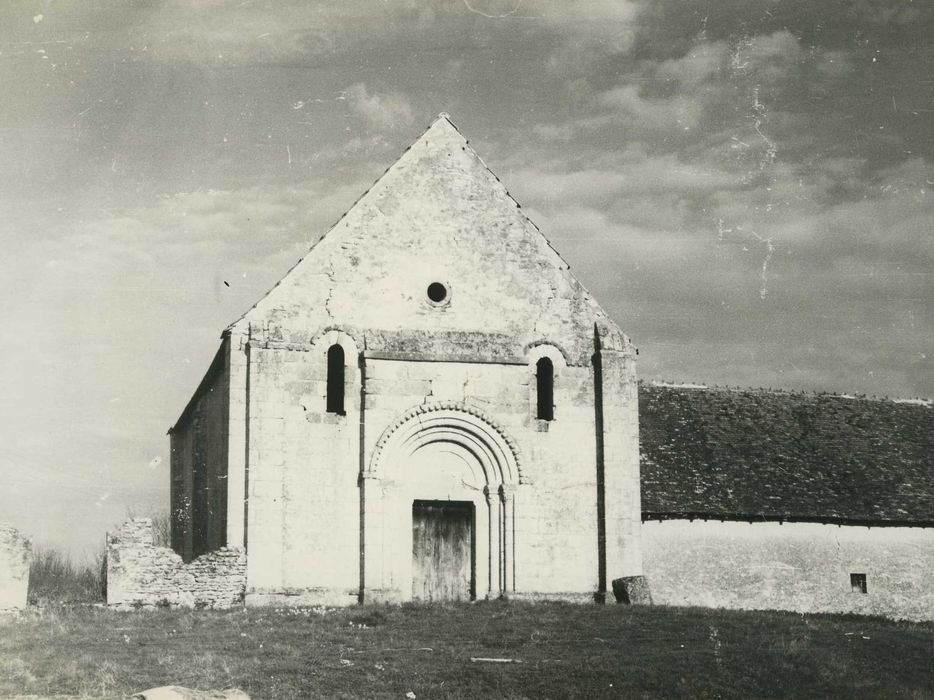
(437, 292)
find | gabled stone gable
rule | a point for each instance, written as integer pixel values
(437, 215)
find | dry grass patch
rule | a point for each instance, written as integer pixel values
(564, 651)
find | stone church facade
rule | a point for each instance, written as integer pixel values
(427, 406)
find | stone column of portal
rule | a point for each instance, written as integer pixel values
(491, 518)
(617, 391)
(496, 543)
(507, 493)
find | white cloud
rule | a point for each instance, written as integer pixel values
(590, 233)
(767, 57)
(379, 111)
(703, 61)
(615, 13)
(657, 174)
(571, 128)
(587, 32)
(678, 112)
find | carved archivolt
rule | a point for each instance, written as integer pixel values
(449, 421)
(545, 348)
(337, 335)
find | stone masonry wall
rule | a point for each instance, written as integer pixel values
(304, 519)
(142, 574)
(805, 567)
(554, 542)
(15, 554)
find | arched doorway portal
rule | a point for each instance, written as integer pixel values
(439, 507)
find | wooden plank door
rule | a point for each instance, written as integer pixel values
(442, 550)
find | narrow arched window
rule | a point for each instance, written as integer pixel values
(545, 385)
(335, 400)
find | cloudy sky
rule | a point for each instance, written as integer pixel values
(746, 186)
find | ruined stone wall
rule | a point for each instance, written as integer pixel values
(804, 567)
(15, 555)
(141, 574)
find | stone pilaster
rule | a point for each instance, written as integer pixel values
(618, 485)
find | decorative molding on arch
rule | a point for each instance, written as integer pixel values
(546, 348)
(341, 335)
(456, 415)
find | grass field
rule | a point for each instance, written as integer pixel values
(559, 651)
(55, 578)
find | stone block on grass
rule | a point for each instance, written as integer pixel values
(632, 590)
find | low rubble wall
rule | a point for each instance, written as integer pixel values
(15, 555)
(140, 574)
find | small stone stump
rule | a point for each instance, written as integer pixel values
(177, 692)
(632, 590)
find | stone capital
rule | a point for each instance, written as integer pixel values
(507, 492)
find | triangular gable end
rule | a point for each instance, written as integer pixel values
(438, 214)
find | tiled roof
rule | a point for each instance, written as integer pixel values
(778, 455)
